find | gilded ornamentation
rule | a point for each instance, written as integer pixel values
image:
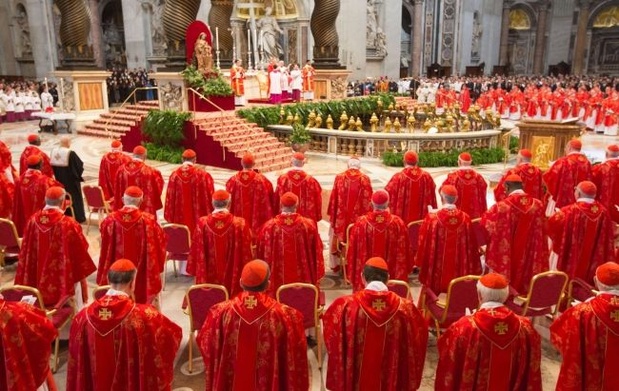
(379, 305)
(338, 88)
(105, 314)
(250, 302)
(501, 328)
(519, 20)
(543, 151)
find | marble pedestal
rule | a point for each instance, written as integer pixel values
(330, 83)
(172, 91)
(83, 93)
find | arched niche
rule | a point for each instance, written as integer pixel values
(603, 31)
(521, 38)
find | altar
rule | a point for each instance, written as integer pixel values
(547, 139)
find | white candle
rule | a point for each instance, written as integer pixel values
(248, 40)
(217, 37)
(46, 82)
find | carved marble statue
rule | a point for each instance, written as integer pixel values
(203, 55)
(476, 38)
(24, 33)
(271, 33)
(372, 23)
(158, 33)
(381, 43)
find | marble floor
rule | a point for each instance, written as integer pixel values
(324, 168)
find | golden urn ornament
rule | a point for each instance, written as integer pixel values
(343, 120)
(311, 119)
(397, 125)
(289, 118)
(374, 122)
(318, 122)
(351, 123)
(359, 125)
(329, 122)
(388, 124)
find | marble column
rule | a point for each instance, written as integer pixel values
(96, 34)
(417, 37)
(540, 37)
(580, 46)
(326, 40)
(503, 55)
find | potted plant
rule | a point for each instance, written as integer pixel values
(300, 138)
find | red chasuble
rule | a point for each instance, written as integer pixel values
(136, 173)
(8, 176)
(587, 336)
(118, 345)
(189, 196)
(54, 256)
(291, 245)
(376, 341)
(26, 336)
(306, 188)
(606, 178)
(251, 194)
(220, 247)
(30, 150)
(379, 234)
(447, 249)
(410, 193)
(29, 196)
(253, 343)
(492, 350)
(563, 176)
(472, 190)
(135, 235)
(583, 238)
(350, 198)
(531, 181)
(517, 242)
(110, 163)
(237, 77)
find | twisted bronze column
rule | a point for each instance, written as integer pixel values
(219, 16)
(326, 40)
(177, 16)
(74, 31)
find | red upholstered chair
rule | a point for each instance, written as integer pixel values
(546, 292)
(178, 245)
(579, 290)
(461, 296)
(60, 315)
(310, 302)
(200, 298)
(400, 288)
(96, 203)
(10, 242)
(343, 247)
(413, 234)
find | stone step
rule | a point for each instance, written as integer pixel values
(87, 131)
(115, 121)
(118, 115)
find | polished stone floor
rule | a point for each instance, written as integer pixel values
(324, 168)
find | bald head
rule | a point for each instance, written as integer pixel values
(65, 142)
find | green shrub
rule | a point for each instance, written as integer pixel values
(165, 153)
(213, 84)
(514, 144)
(446, 159)
(165, 127)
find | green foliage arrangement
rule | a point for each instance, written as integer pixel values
(165, 153)
(357, 107)
(514, 144)
(446, 159)
(300, 134)
(165, 128)
(213, 84)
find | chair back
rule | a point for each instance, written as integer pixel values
(303, 297)
(480, 232)
(94, 197)
(200, 298)
(100, 291)
(400, 288)
(413, 234)
(546, 289)
(178, 238)
(9, 239)
(16, 293)
(461, 295)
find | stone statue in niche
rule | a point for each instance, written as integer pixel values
(271, 33)
(23, 31)
(158, 33)
(372, 24)
(381, 43)
(476, 38)
(203, 55)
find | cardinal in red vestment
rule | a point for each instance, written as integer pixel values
(33, 149)
(251, 194)
(411, 191)
(379, 234)
(587, 336)
(582, 234)
(134, 234)
(110, 163)
(252, 342)
(189, 194)
(517, 241)
(471, 187)
(220, 246)
(8, 176)
(117, 344)
(530, 174)
(566, 173)
(30, 192)
(447, 247)
(491, 350)
(371, 329)
(305, 186)
(137, 173)
(54, 253)
(350, 198)
(606, 178)
(291, 245)
(26, 336)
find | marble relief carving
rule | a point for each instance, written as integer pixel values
(448, 24)
(171, 96)
(23, 32)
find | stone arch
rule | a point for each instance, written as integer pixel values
(21, 31)
(603, 56)
(599, 9)
(521, 42)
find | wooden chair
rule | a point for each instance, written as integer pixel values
(178, 245)
(546, 292)
(96, 203)
(60, 315)
(200, 298)
(343, 247)
(10, 242)
(461, 296)
(400, 288)
(310, 302)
